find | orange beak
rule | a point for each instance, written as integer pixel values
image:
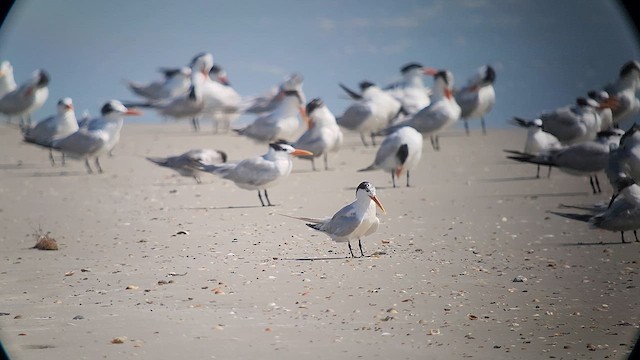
(398, 171)
(133, 112)
(375, 200)
(610, 103)
(430, 71)
(300, 152)
(68, 107)
(305, 118)
(224, 80)
(448, 93)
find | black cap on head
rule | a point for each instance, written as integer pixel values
(215, 69)
(193, 60)
(582, 101)
(106, 108)
(223, 155)
(443, 75)
(410, 66)
(365, 185)
(364, 85)
(629, 67)
(314, 104)
(490, 75)
(44, 78)
(629, 133)
(293, 93)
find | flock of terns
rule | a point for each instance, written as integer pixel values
(582, 139)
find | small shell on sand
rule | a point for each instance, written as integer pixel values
(45, 242)
(119, 340)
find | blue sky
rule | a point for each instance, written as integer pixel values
(545, 53)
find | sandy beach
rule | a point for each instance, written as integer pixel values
(154, 266)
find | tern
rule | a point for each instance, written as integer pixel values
(259, 173)
(52, 128)
(183, 163)
(188, 105)
(606, 104)
(538, 141)
(442, 113)
(353, 221)
(221, 101)
(478, 97)
(279, 124)
(176, 82)
(584, 159)
(623, 213)
(373, 111)
(624, 91)
(323, 136)
(629, 152)
(269, 101)
(27, 98)
(7, 82)
(98, 137)
(573, 124)
(410, 91)
(399, 152)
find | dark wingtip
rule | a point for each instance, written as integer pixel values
(223, 155)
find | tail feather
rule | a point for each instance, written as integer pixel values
(352, 94)
(369, 168)
(314, 226)
(572, 216)
(157, 160)
(516, 152)
(532, 160)
(312, 221)
(521, 122)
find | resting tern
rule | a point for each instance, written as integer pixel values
(624, 91)
(324, 134)
(410, 91)
(373, 111)
(478, 97)
(353, 221)
(399, 152)
(259, 173)
(279, 124)
(538, 141)
(7, 82)
(27, 98)
(584, 159)
(54, 127)
(269, 101)
(442, 113)
(176, 82)
(98, 138)
(184, 163)
(623, 213)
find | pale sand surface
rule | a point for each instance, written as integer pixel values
(257, 285)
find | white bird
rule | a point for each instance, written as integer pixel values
(221, 101)
(54, 127)
(324, 134)
(410, 91)
(186, 106)
(184, 163)
(27, 98)
(623, 213)
(176, 82)
(624, 91)
(373, 111)
(478, 97)
(353, 221)
(269, 101)
(605, 105)
(584, 159)
(400, 152)
(441, 114)
(279, 124)
(7, 82)
(259, 173)
(538, 141)
(629, 152)
(99, 137)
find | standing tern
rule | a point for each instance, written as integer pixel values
(584, 159)
(221, 101)
(279, 124)
(353, 221)
(538, 141)
(410, 91)
(188, 105)
(324, 134)
(54, 127)
(373, 111)
(27, 98)
(624, 91)
(478, 97)
(399, 152)
(623, 213)
(7, 82)
(269, 101)
(184, 163)
(442, 113)
(259, 173)
(99, 137)
(176, 82)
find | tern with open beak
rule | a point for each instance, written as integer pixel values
(353, 221)
(261, 172)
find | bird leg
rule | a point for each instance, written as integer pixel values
(622, 236)
(484, 128)
(196, 124)
(466, 126)
(350, 250)
(433, 142)
(98, 165)
(63, 160)
(597, 183)
(393, 178)
(364, 142)
(198, 181)
(373, 139)
(360, 246)
(592, 186)
(267, 197)
(53, 161)
(408, 179)
(636, 235)
(326, 162)
(260, 197)
(549, 173)
(538, 172)
(86, 163)
(313, 165)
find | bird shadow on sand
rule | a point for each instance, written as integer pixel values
(509, 179)
(533, 196)
(599, 243)
(54, 174)
(19, 166)
(227, 207)
(353, 188)
(326, 258)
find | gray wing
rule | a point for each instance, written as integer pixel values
(388, 149)
(254, 171)
(311, 141)
(43, 132)
(80, 143)
(467, 100)
(343, 223)
(585, 157)
(563, 123)
(354, 116)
